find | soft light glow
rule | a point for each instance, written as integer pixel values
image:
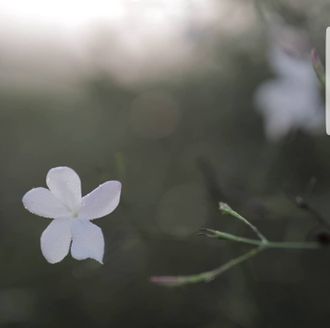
(75, 13)
(132, 40)
(61, 12)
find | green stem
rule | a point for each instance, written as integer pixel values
(210, 275)
(228, 210)
(261, 245)
(264, 243)
(175, 281)
(292, 245)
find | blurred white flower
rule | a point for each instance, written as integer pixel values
(72, 214)
(292, 100)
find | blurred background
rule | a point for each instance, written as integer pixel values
(187, 103)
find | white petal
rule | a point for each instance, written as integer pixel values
(65, 184)
(101, 201)
(292, 68)
(87, 241)
(55, 240)
(42, 202)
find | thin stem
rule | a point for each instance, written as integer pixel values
(304, 205)
(228, 236)
(265, 243)
(292, 245)
(262, 244)
(175, 281)
(210, 275)
(228, 210)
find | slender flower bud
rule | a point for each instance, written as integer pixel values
(169, 281)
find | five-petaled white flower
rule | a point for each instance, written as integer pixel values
(72, 214)
(292, 100)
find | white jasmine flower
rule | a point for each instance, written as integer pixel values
(292, 100)
(72, 214)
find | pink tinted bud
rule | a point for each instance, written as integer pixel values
(170, 281)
